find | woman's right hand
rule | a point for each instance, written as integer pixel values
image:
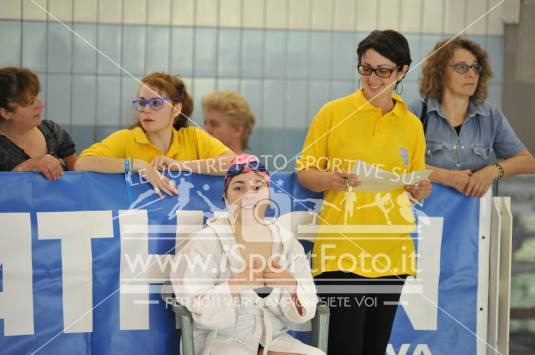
(158, 181)
(458, 179)
(338, 181)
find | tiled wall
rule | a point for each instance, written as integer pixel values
(287, 57)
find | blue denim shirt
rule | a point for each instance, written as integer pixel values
(486, 136)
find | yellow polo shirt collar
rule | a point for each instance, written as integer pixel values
(400, 108)
(141, 138)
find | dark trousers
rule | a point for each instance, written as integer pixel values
(362, 311)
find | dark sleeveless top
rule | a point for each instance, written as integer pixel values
(58, 144)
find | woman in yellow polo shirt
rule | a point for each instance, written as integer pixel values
(364, 237)
(160, 139)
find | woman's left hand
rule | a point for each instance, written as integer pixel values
(164, 163)
(481, 181)
(420, 190)
(277, 276)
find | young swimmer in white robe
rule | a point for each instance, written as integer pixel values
(246, 280)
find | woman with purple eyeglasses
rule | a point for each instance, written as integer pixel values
(160, 139)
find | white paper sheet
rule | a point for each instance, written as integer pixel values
(374, 179)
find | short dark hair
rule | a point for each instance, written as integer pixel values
(17, 87)
(388, 43)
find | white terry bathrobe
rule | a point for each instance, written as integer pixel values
(236, 325)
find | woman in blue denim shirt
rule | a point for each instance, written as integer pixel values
(470, 143)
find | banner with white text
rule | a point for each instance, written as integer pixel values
(69, 283)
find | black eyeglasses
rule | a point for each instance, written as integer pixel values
(463, 68)
(156, 103)
(384, 73)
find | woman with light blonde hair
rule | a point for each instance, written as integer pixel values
(228, 117)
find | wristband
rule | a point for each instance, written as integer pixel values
(128, 169)
(128, 178)
(128, 165)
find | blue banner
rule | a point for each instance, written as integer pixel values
(63, 256)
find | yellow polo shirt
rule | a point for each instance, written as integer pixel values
(366, 233)
(190, 143)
